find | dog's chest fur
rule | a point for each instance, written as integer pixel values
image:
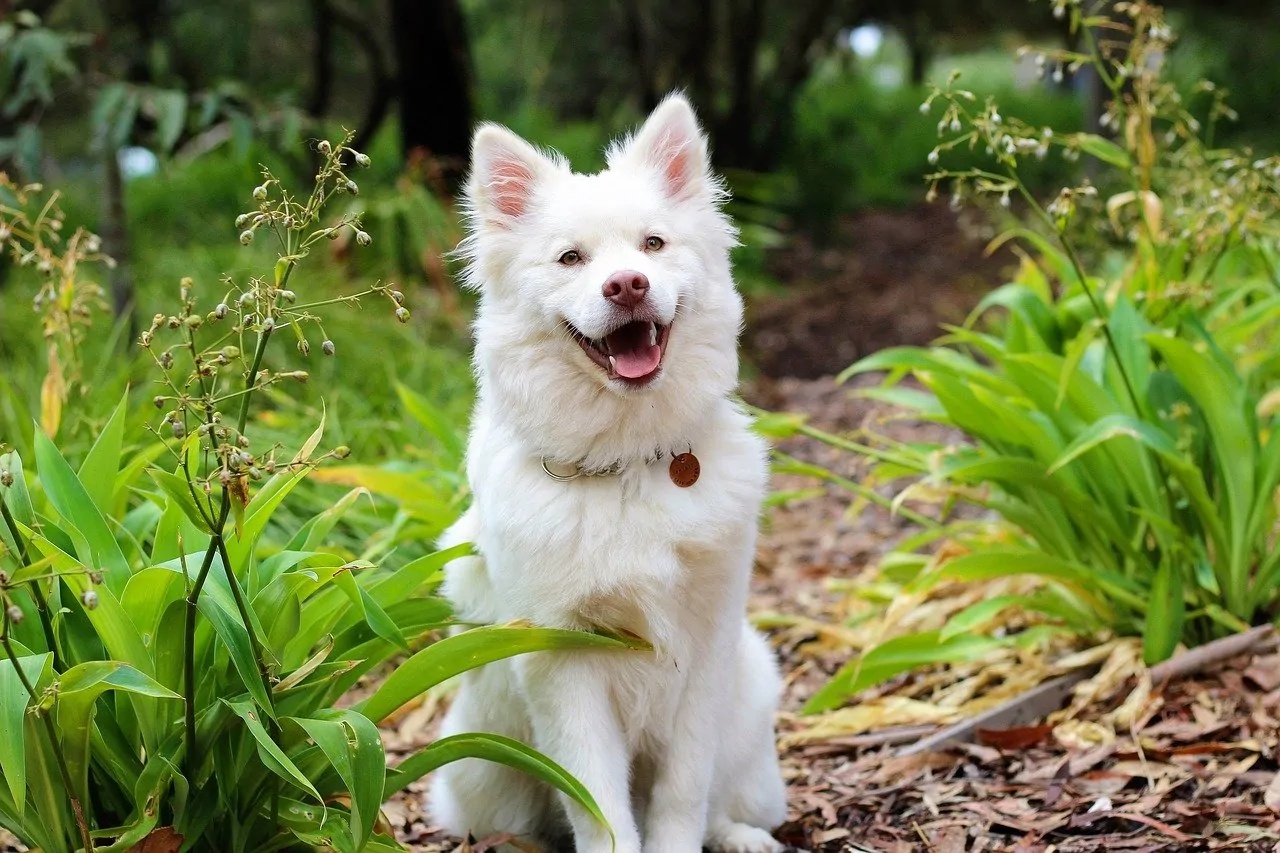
(631, 551)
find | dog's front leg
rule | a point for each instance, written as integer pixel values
(576, 725)
(676, 820)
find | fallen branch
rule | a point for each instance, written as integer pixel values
(1196, 660)
(1043, 700)
(1021, 710)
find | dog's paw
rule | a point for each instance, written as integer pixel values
(741, 838)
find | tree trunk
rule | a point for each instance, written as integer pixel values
(115, 238)
(434, 73)
(322, 60)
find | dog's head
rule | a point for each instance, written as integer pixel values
(600, 292)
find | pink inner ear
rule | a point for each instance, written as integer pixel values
(510, 185)
(678, 163)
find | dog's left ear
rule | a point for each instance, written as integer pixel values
(672, 143)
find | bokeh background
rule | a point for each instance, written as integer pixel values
(152, 116)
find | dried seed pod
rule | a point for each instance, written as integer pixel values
(327, 347)
(89, 599)
(402, 314)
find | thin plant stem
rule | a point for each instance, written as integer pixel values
(189, 664)
(243, 609)
(80, 810)
(42, 603)
(1078, 266)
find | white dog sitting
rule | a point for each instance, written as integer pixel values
(616, 486)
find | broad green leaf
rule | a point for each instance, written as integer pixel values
(89, 529)
(492, 747)
(403, 488)
(169, 108)
(175, 486)
(351, 743)
(100, 466)
(897, 656)
(1165, 615)
(78, 692)
(217, 605)
(461, 652)
(110, 621)
(433, 420)
(413, 577)
(1103, 149)
(13, 708)
(16, 497)
(976, 616)
(270, 752)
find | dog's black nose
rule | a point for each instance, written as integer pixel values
(626, 288)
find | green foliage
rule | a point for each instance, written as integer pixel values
(184, 612)
(1120, 411)
(857, 144)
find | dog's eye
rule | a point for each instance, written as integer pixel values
(570, 258)
(653, 244)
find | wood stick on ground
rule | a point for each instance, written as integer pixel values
(1195, 660)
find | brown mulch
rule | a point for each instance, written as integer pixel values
(888, 278)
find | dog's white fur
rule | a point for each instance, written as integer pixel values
(677, 746)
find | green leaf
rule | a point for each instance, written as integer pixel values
(176, 488)
(1165, 616)
(78, 692)
(492, 747)
(259, 512)
(416, 575)
(461, 652)
(100, 466)
(95, 545)
(977, 615)
(443, 429)
(217, 605)
(16, 497)
(351, 743)
(897, 656)
(169, 107)
(269, 751)
(1233, 435)
(1103, 149)
(13, 708)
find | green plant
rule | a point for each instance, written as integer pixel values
(855, 144)
(1121, 417)
(175, 643)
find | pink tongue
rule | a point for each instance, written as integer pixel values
(633, 356)
(636, 363)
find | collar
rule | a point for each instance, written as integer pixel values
(566, 471)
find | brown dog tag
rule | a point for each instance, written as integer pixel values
(685, 469)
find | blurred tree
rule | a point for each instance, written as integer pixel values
(433, 68)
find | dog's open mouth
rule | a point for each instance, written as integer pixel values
(632, 352)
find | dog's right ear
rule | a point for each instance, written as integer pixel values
(504, 171)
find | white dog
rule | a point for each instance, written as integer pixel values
(616, 486)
